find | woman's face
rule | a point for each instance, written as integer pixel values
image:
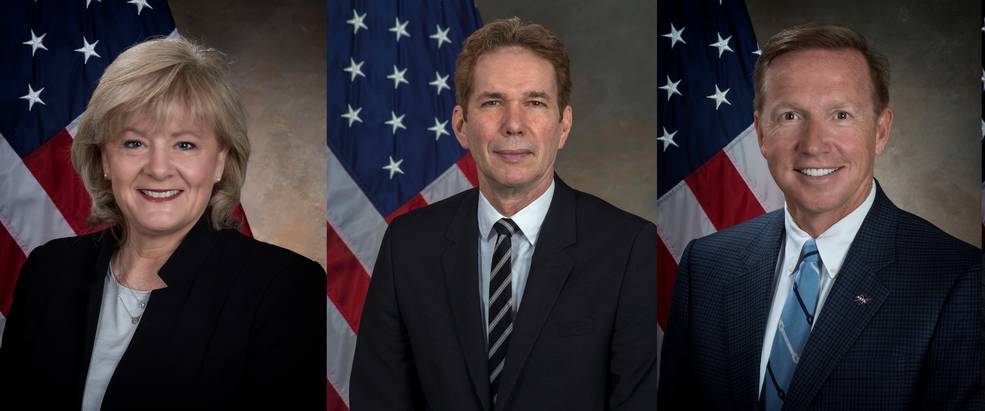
(162, 174)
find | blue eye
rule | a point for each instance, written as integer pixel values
(184, 145)
(132, 144)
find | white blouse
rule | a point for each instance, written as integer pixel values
(119, 315)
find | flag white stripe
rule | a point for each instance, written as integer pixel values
(681, 219)
(749, 161)
(26, 211)
(341, 347)
(352, 215)
(449, 183)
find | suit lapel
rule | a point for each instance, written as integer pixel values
(845, 313)
(461, 264)
(747, 305)
(549, 269)
(158, 327)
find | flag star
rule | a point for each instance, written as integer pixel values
(675, 36)
(398, 77)
(395, 122)
(983, 129)
(719, 97)
(671, 88)
(440, 35)
(667, 139)
(393, 167)
(90, 1)
(352, 115)
(440, 82)
(354, 69)
(36, 42)
(983, 25)
(722, 45)
(983, 79)
(88, 50)
(438, 128)
(357, 22)
(758, 52)
(400, 28)
(32, 97)
(140, 5)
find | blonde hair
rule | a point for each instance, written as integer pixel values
(149, 79)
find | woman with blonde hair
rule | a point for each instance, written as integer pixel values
(169, 307)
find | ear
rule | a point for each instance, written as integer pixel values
(567, 116)
(759, 132)
(220, 164)
(458, 126)
(884, 124)
(104, 159)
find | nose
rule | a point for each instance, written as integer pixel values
(159, 165)
(814, 140)
(513, 120)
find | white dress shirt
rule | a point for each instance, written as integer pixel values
(832, 245)
(529, 219)
(119, 315)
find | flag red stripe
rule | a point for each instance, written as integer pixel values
(10, 268)
(666, 274)
(240, 214)
(722, 192)
(467, 164)
(51, 165)
(347, 281)
(417, 201)
(335, 402)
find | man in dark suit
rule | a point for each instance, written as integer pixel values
(840, 300)
(522, 294)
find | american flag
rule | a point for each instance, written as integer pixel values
(53, 53)
(391, 148)
(711, 174)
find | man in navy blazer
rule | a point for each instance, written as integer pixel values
(840, 301)
(522, 294)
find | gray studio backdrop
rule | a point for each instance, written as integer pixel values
(932, 165)
(277, 54)
(611, 151)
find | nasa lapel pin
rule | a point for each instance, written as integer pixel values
(862, 299)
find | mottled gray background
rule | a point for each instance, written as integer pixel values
(932, 165)
(611, 151)
(277, 53)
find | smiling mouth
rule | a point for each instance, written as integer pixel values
(160, 195)
(817, 172)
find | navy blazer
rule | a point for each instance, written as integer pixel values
(912, 341)
(241, 325)
(584, 337)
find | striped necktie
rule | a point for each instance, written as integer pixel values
(500, 302)
(794, 327)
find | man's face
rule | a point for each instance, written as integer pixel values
(513, 127)
(819, 133)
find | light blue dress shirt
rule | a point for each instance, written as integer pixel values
(529, 219)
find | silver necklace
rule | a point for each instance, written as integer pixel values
(141, 303)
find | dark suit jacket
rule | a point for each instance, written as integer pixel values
(241, 324)
(584, 337)
(915, 343)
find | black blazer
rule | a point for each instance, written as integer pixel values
(899, 329)
(584, 337)
(241, 324)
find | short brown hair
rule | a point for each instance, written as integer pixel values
(148, 79)
(824, 36)
(512, 32)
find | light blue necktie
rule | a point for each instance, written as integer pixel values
(794, 327)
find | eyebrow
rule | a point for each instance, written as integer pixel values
(501, 96)
(178, 133)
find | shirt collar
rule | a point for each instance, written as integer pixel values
(529, 218)
(834, 242)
